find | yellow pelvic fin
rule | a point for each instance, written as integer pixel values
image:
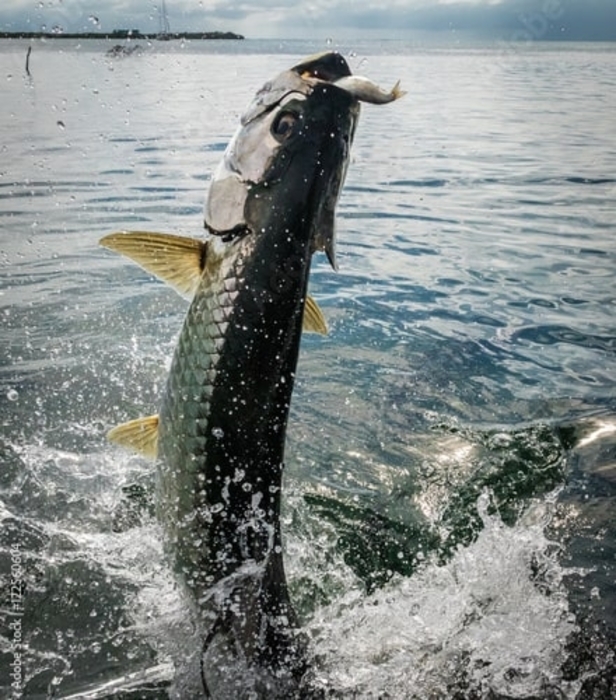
(140, 435)
(314, 321)
(176, 260)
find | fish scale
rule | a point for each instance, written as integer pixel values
(186, 419)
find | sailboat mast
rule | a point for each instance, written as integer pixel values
(164, 19)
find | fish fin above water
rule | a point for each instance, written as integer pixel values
(397, 92)
(140, 435)
(176, 260)
(314, 321)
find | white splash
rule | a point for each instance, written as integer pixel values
(494, 618)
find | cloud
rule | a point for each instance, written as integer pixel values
(508, 19)
(511, 19)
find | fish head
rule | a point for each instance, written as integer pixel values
(289, 156)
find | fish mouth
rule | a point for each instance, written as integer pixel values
(332, 67)
(262, 154)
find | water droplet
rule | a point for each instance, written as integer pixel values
(218, 433)
(12, 395)
(61, 124)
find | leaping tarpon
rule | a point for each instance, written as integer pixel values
(219, 435)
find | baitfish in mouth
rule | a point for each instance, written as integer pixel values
(331, 67)
(365, 90)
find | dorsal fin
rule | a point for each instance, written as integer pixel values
(314, 321)
(140, 435)
(176, 260)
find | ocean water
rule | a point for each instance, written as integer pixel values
(450, 487)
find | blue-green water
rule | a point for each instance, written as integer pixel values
(451, 458)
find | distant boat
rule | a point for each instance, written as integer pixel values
(164, 33)
(120, 51)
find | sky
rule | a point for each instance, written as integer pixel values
(509, 20)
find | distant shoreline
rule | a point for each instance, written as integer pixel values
(117, 35)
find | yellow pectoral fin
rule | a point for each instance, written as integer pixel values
(176, 260)
(140, 435)
(314, 321)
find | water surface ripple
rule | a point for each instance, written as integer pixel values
(450, 484)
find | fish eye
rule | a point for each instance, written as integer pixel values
(284, 124)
